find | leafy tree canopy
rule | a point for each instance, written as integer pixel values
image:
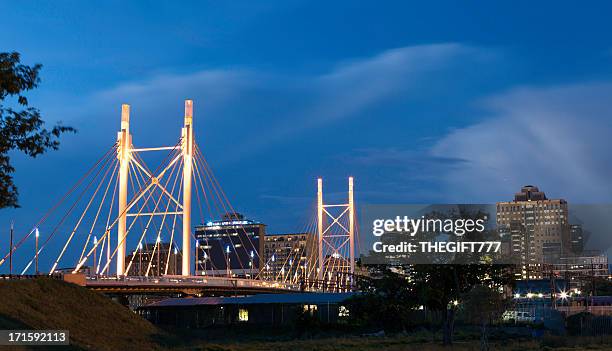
(21, 125)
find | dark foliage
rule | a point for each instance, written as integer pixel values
(21, 126)
(388, 302)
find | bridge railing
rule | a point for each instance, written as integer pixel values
(190, 281)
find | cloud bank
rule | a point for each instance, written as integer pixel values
(555, 137)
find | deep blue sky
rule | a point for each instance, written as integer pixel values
(421, 101)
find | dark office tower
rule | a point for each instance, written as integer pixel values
(232, 246)
(538, 228)
(576, 239)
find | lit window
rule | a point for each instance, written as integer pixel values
(343, 311)
(311, 309)
(243, 315)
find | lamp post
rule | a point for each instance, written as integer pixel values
(140, 259)
(197, 249)
(175, 267)
(251, 264)
(227, 260)
(158, 253)
(36, 250)
(205, 260)
(95, 244)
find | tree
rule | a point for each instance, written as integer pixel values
(482, 305)
(387, 301)
(442, 285)
(21, 125)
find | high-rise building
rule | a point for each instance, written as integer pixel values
(289, 256)
(538, 229)
(576, 239)
(232, 246)
(151, 260)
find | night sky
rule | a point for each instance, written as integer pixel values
(422, 102)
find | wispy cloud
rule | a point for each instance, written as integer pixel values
(555, 137)
(243, 101)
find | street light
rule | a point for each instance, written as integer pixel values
(251, 263)
(158, 243)
(197, 250)
(140, 259)
(36, 252)
(205, 260)
(175, 263)
(227, 260)
(95, 244)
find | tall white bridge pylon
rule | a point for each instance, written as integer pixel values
(124, 154)
(103, 224)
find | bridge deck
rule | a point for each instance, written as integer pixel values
(186, 284)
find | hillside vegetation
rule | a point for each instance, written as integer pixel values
(93, 320)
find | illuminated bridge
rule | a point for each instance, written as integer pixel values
(121, 208)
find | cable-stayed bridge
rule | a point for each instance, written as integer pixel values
(121, 207)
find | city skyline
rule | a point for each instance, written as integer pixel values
(272, 114)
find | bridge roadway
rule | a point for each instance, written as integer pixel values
(192, 285)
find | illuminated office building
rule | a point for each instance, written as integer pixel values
(231, 246)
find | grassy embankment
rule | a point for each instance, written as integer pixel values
(91, 318)
(96, 322)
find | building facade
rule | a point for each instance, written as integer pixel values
(230, 247)
(289, 256)
(576, 238)
(538, 229)
(154, 260)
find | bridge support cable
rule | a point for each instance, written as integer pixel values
(107, 239)
(207, 185)
(131, 204)
(57, 204)
(171, 243)
(223, 198)
(140, 176)
(99, 168)
(93, 224)
(226, 209)
(150, 219)
(80, 220)
(145, 187)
